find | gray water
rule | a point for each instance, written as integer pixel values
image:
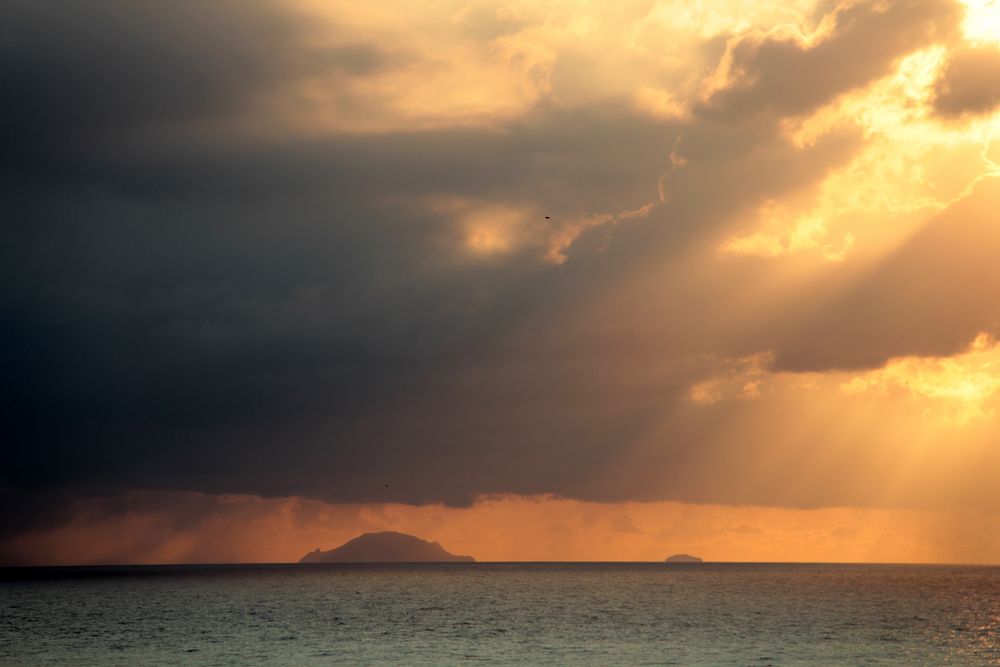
(441, 614)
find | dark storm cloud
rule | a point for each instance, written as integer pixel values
(264, 344)
(104, 65)
(184, 311)
(75, 76)
(27, 510)
(221, 312)
(220, 334)
(73, 72)
(969, 83)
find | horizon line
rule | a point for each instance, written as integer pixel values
(485, 562)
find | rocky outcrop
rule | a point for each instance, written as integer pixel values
(683, 558)
(387, 547)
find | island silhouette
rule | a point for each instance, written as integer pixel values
(386, 547)
(683, 558)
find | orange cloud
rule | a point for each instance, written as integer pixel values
(679, 207)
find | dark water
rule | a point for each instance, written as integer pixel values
(601, 614)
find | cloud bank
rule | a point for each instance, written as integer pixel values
(292, 249)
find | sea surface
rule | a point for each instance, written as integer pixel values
(524, 614)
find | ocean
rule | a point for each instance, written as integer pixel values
(501, 614)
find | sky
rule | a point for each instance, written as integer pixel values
(557, 280)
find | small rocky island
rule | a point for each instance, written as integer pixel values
(387, 547)
(683, 558)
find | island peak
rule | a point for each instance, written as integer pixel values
(386, 547)
(683, 558)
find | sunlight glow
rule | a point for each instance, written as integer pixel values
(982, 21)
(964, 383)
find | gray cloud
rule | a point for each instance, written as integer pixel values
(782, 76)
(214, 312)
(81, 78)
(82, 69)
(969, 84)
